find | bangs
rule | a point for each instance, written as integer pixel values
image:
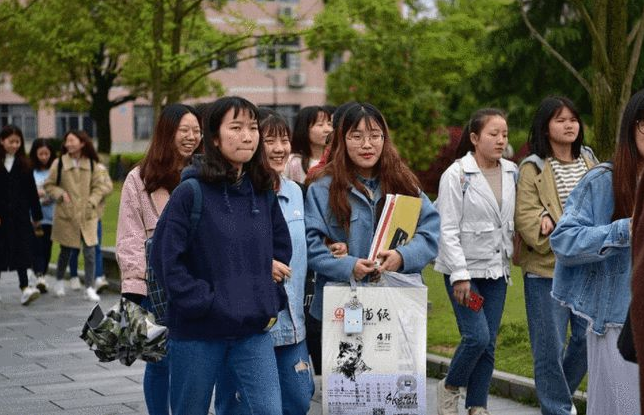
(241, 106)
(275, 127)
(371, 123)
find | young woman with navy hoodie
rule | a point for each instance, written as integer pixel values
(222, 300)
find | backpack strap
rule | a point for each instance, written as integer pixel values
(197, 204)
(59, 171)
(60, 168)
(464, 178)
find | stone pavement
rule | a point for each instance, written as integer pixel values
(45, 368)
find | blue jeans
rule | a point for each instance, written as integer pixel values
(156, 382)
(98, 257)
(558, 370)
(296, 383)
(197, 366)
(156, 385)
(473, 361)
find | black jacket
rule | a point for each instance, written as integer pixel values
(19, 202)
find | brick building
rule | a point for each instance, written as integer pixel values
(286, 81)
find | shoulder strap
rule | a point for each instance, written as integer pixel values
(197, 202)
(59, 171)
(271, 199)
(464, 177)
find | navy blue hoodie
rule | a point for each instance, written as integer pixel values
(219, 283)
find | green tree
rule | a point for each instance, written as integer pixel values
(67, 52)
(85, 53)
(616, 32)
(178, 46)
(404, 64)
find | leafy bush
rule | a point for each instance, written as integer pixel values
(121, 164)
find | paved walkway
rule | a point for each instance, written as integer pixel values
(45, 368)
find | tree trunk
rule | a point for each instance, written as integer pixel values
(157, 58)
(611, 21)
(100, 113)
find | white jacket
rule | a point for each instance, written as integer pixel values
(476, 236)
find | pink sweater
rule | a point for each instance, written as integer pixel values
(138, 216)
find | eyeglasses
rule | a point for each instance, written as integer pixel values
(357, 139)
(640, 126)
(185, 132)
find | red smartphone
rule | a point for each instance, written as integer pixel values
(475, 301)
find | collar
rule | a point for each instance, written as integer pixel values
(470, 165)
(371, 184)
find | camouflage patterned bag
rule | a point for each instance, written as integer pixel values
(127, 332)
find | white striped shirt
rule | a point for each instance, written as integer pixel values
(567, 175)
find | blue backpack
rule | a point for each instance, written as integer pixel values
(156, 294)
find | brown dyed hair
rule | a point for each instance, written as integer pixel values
(88, 149)
(162, 164)
(627, 159)
(395, 176)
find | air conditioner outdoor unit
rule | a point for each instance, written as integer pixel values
(297, 80)
(287, 11)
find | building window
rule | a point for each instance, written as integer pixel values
(22, 116)
(278, 53)
(289, 112)
(227, 61)
(71, 120)
(332, 61)
(143, 122)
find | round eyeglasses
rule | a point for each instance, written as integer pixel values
(358, 139)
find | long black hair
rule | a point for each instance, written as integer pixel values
(539, 136)
(300, 143)
(215, 168)
(475, 125)
(33, 153)
(21, 155)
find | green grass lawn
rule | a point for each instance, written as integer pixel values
(513, 352)
(513, 345)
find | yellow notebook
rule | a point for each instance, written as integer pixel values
(397, 223)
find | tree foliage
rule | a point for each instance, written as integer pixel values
(403, 63)
(94, 55)
(614, 32)
(68, 52)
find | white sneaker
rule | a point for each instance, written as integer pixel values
(90, 295)
(573, 410)
(100, 284)
(75, 284)
(41, 284)
(447, 402)
(59, 288)
(29, 294)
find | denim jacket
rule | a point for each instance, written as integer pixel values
(321, 223)
(593, 268)
(289, 328)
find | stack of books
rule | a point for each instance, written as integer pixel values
(397, 223)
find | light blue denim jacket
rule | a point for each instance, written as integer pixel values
(593, 268)
(290, 328)
(321, 223)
